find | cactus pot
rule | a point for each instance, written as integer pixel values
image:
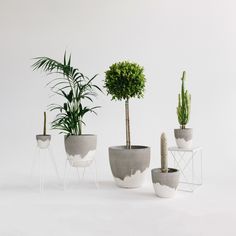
(165, 184)
(43, 141)
(129, 166)
(183, 138)
(80, 149)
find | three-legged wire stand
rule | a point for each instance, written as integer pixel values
(81, 177)
(40, 156)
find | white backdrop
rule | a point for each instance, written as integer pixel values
(164, 36)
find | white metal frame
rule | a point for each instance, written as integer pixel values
(182, 161)
(40, 157)
(94, 164)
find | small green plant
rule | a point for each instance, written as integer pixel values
(125, 80)
(44, 123)
(164, 154)
(184, 105)
(74, 87)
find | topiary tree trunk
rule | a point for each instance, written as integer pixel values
(127, 125)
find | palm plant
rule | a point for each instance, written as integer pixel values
(74, 87)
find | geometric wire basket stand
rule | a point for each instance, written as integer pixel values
(189, 163)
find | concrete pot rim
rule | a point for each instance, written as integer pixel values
(133, 147)
(42, 135)
(81, 135)
(158, 170)
(184, 129)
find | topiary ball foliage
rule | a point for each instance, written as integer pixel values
(125, 80)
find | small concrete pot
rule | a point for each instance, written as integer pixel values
(165, 184)
(129, 166)
(80, 149)
(43, 141)
(183, 138)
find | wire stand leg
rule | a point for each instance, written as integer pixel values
(64, 177)
(54, 164)
(192, 184)
(41, 173)
(36, 156)
(201, 169)
(83, 173)
(95, 174)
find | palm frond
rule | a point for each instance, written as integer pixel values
(74, 87)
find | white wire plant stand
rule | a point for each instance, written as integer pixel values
(189, 163)
(81, 170)
(39, 160)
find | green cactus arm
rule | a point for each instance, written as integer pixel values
(184, 104)
(179, 100)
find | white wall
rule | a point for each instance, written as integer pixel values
(164, 36)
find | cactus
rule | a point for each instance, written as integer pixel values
(164, 153)
(184, 104)
(44, 124)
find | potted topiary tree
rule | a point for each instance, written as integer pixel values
(75, 88)
(129, 163)
(43, 140)
(183, 136)
(165, 180)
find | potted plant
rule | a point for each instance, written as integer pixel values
(43, 140)
(75, 88)
(183, 136)
(129, 163)
(165, 180)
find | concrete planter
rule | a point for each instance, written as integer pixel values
(183, 138)
(43, 141)
(80, 149)
(129, 166)
(165, 184)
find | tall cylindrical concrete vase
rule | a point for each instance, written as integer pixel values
(80, 149)
(129, 166)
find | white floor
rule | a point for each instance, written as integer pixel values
(84, 210)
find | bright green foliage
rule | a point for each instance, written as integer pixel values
(125, 80)
(74, 87)
(184, 105)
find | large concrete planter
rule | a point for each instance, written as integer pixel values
(165, 184)
(129, 166)
(43, 141)
(80, 149)
(183, 138)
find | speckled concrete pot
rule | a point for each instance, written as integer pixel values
(165, 184)
(43, 141)
(183, 138)
(80, 149)
(129, 166)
